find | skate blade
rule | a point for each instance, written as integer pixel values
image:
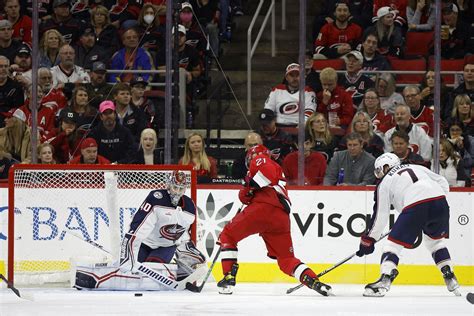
(371, 293)
(226, 290)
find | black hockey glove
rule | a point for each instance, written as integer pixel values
(366, 246)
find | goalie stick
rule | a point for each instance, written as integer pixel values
(25, 296)
(197, 289)
(291, 290)
(152, 274)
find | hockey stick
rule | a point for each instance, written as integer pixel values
(152, 274)
(197, 289)
(291, 290)
(25, 296)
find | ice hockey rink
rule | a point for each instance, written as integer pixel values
(248, 299)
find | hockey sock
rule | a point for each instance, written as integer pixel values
(302, 270)
(439, 252)
(390, 257)
(228, 258)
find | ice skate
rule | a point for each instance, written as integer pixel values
(450, 280)
(381, 286)
(226, 285)
(318, 286)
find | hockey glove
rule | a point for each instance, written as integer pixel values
(126, 258)
(366, 246)
(245, 195)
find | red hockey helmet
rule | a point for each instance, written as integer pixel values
(254, 151)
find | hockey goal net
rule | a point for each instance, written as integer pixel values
(53, 209)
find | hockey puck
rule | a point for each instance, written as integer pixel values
(470, 297)
(138, 294)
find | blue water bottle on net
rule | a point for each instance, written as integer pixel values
(340, 177)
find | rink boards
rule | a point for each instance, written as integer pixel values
(326, 225)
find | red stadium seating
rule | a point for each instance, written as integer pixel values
(418, 44)
(418, 64)
(337, 64)
(448, 65)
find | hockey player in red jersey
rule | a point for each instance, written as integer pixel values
(266, 214)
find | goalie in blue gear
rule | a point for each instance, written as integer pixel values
(159, 232)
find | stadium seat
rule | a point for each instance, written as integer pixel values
(469, 59)
(448, 65)
(418, 64)
(337, 64)
(418, 44)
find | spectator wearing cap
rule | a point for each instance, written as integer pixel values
(239, 168)
(189, 59)
(116, 142)
(46, 154)
(339, 37)
(130, 57)
(148, 153)
(334, 102)
(284, 99)
(373, 60)
(389, 33)
(194, 35)
(154, 118)
(22, 25)
(11, 92)
(21, 69)
(15, 137)
(45, 115)
(87, 50)
(98, 89)
(89, 154)
(106, 33)
(455, 37)
(128, 115)
(49, 46)
(67, 138)
(279, 142)
(353, 80)
(67, 74)
(314, 165)
(53, 98)
(8, 45)
(87, 116)
(151, 33)
(63, 21)
(400, 6)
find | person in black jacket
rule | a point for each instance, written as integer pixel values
(148, 153)
(116, 142)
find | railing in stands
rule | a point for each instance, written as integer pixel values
(182, 88)
(251, 48)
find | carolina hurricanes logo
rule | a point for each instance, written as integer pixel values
(172, 232)
(289, 107)
(334, 105)
(414, 148)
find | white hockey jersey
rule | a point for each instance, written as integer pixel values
(60, 77)
(286, 104)
(157, 223)
(403, 186)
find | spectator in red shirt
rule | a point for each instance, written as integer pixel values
(339, 37)
(314, 165)
(68, 138)
(420, 115)
(53, 98)
(21, 23)
(195, 155)
(89, 154)
(334, 102)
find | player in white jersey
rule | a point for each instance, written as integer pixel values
(420, 197)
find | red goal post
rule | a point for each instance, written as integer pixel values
(52, 207)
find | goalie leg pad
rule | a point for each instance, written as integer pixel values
(189, 258)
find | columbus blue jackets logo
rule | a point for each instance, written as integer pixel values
(172, 232)
(158, 195)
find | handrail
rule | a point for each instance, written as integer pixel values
(251, 49)
(283, 15)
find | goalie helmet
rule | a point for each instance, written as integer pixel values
(387, 159)
(177, 184)
(255, 151)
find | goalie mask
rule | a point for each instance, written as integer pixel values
(177, 185)
(387, 159)
(255, 151)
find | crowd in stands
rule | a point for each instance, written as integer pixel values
(90, 111)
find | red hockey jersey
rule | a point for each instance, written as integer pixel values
(424, 119)
(330, 37)
(340, 103)
(268, 182)
(382, 121)
(46, 119)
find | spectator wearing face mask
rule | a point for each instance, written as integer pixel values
(194, 36)
(151, 33)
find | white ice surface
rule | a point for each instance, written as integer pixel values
(248, 299)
